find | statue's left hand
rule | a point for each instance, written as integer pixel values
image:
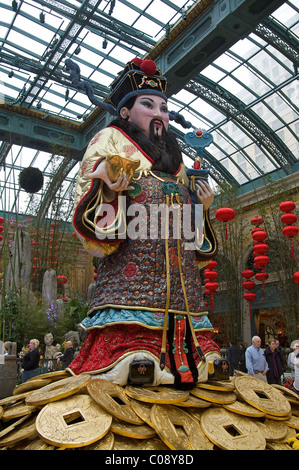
(204, 194)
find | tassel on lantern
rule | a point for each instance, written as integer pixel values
(225, 214)
(288, 218)
(250, 297)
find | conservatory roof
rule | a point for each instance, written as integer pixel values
(232, 68)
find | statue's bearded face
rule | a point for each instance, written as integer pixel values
(150, 111)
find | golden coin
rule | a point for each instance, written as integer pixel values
(295, 410)
(22, 431)
(290, 394)
(262, 396)
(35, 444)
(55, 375)
(12, 426)
(231, 431)
(1, 412)
(215, 386)
(30, 385)
(272, 430)
(106, 443)
(293, 422)
(135, 431)
(105, 393)
(194, 402)
(17, 410)
(188, 437)
(244, 409)
(15, 399)
(58, 390)
(123, 443)
(76, 421)
(161, 395)
(222, 398)
(278, 446)
(143, 410)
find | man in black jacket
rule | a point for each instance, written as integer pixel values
(68, 355)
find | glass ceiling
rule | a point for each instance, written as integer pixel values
(247, 97)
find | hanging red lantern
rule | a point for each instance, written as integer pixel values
(210, 290)
(291, 231)
(247, 273)
(225, 214)
(210, 274)
(212, 265)
(287, 206)
(1, 220)
(250, 297)
(261, 261)
(260, 248)
(288, 218)
(259, 235)
(249, 285)
(262, 276)
(296, 277)
(256, 220)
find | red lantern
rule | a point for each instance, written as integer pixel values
(212, 264)
(250, 297)
(290, 231)
(262, 276)
(211, 288)
(288, 218)
(296, 277)
(257, 221)
(260, 248)
(1, 220)
(249, 285)
(259, 235)
(210, 274)
(225, 214)
(247, 273)
(287, 206)
(261, 262)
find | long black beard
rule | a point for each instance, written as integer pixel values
(165, 152)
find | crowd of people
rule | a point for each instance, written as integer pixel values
(267, 364)
(30, 360)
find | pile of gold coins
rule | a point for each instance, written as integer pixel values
(58, 411)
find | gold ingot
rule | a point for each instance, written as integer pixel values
(118, 164)
(58, 390)
(231, 431)
(244, 409)
(222, 398)
(106, 443)
(160, 395)
(31, 385)
(135, 431)
(76, 421)
(104, 393)
(17, 410)
(188, 437)
(22, 431)
(272, 430)
(262, 396)
(123, 443)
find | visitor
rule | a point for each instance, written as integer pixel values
(242, 366)
(291, 359)
(275, 363)
(256, 363)
(234, 358)
(68, 355)
(30, 361)
(148, 303)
